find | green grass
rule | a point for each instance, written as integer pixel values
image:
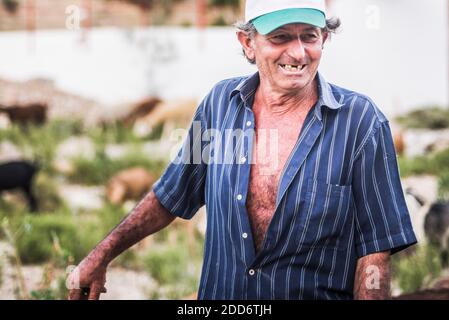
(39, 143)
(417, 270)
(43, 237)
(46, 191)
(431, 117)
(117, 133)
(61, 237)
(114, 133)
(232, 3)
(443, 185)
(168, 264)
(100, 169)
(175, 264)
(436, 164)
(59, 292)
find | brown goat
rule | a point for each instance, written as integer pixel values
(140, 110)
(35, 113)
(129, 184)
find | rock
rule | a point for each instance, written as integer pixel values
(9, 152)
(124, 284)
(5, 123)
(121, 284)
(76, 147)
(81, 197)
(421, 141)
(425, 186)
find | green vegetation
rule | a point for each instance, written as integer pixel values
(100, 169)
(443, 185)
(416, 271)
(48, 292)
(231, 3)
(39, 142)
(10, 5)
(117, 133)
(46, 236)
(435, 164)
(59, 236)
(175, 263)
(219, 21)
(431, 117)
(46, 189)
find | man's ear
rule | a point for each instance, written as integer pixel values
(247, 44)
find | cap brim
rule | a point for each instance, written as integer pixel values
(273, 20)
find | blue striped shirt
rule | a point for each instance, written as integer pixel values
(339, 196)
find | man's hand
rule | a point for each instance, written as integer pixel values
(372, 277)
(87, 281)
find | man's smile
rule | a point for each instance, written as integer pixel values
(291, 68)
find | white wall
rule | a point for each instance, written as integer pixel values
(401, 64)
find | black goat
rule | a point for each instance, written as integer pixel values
(19, 175)
(436, 227)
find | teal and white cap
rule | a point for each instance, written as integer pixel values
(269, 15)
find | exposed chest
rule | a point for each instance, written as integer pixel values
(272, 148)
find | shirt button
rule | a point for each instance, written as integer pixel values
(245, 235)
(242, 160)
(239, 197)
(251, 272)
(248, 123)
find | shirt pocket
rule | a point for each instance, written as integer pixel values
(325, 214)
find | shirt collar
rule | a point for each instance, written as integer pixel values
(248, 87)
(325, 97)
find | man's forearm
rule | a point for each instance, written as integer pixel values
(372, 277)
(148, 217)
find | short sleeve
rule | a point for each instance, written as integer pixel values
(382, 219)
(180, 189)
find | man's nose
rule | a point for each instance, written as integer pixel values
(296, 49)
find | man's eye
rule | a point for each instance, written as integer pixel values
(310, 37)
(280, 38)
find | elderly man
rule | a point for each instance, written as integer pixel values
(299, 177)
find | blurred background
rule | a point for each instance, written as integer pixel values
(91, 91)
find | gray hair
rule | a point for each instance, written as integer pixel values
(332, 25)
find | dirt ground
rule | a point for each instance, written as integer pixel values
(121, 284)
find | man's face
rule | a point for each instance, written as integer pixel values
(288, 57)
